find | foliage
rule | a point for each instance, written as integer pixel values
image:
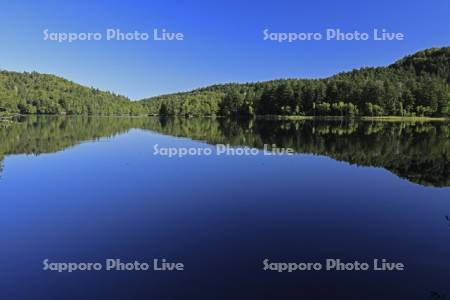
(415, 85)
(34, 93)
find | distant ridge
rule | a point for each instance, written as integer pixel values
(416, 85)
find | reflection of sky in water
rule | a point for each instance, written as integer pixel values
(221, 216)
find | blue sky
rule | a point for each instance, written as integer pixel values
(223, 40)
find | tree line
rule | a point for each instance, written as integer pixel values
(34, 93)
(417, 85)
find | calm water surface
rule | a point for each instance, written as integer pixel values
(82, 189)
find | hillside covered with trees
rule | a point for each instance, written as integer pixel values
(34, 93)
(417, 85)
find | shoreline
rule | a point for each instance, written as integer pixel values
(265, 117)
(358, 118)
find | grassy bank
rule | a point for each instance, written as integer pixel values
(403, 119)
(5, 120)
(362, 118)
(293, 118)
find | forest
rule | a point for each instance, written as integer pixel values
(416, 85)
(34, 93)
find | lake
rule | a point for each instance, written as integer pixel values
(88, 189)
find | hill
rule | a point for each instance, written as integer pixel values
(417, 85)
(34, 93)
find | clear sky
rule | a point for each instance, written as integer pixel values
(223, 40)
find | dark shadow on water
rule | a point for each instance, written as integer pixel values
(437, 296)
